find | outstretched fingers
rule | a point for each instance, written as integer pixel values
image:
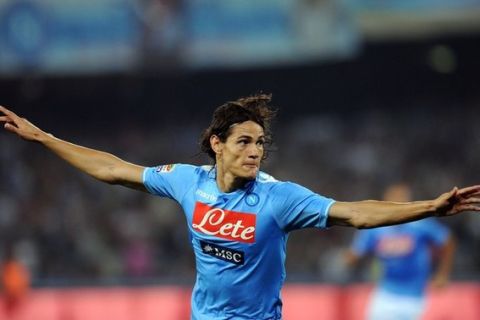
(469, 203)
(467, 207)
(471, 199)
(10, 120)
(8, 116)
(476, 194)
(8, 123)
(10, 127)
(5, 111)
(469, 191)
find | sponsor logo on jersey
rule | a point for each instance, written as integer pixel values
(205, 195)
(165, 168)
(225, 224)
(395, 246)
(223, 253)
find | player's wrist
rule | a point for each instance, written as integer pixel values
(47, 139)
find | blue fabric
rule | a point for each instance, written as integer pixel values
(405, 253)
(239, 238)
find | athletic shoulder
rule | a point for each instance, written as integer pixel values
(282, 188)
(265, 178)
(171, 180)
(295, 207)
(179, 168)
(288, 188)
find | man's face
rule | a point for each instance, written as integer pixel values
(242, 152)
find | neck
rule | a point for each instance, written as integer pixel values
(227, 182)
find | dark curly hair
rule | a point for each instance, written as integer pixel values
(255, 108)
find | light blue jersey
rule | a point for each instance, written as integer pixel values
(239, 238)
(405, 253)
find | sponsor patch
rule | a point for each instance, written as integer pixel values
(223, 253)
(225, 224)
(205, 195)
(395, 245)
(165, 168)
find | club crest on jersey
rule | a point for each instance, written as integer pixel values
(165, 168)
(225, 224)
(222, 253)
(252, 199)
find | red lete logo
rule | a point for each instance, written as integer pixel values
(226, 224)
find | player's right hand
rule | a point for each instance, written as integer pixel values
(20, 126)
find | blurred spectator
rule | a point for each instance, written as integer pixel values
(15, 280)
(163, 32)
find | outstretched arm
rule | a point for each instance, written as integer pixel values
(371, 214)
(100, 165)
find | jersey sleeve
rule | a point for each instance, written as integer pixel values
(363, 242)
(171, 181)
(299, 207)
(436, 232)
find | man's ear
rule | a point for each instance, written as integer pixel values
(216, 144)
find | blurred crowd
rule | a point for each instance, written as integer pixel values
(69, 229)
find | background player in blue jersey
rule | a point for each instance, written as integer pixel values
(239, 218)
(406, 253)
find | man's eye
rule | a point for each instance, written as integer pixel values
(260, 142)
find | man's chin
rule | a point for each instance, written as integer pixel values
(249, 175)
(252, 175)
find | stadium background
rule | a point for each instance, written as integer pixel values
(369, 93)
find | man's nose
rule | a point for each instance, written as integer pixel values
(254, 152)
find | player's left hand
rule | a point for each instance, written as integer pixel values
(458, 200)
